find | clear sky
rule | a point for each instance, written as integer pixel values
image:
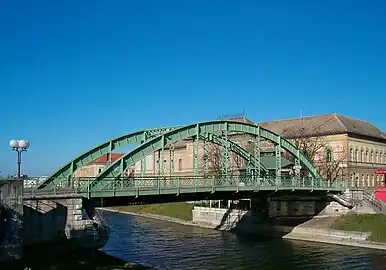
(76, 73)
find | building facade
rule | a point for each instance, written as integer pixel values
(357, 147)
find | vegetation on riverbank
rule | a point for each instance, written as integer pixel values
(175, 210)
(373, 223)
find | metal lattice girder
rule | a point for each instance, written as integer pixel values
(256, 154)
(206, 155)
(171, 159)
(107, 147)
(225, 159)
(297, 167)
(181, 133)
(195, 151)
(235, 148)
(278, 162)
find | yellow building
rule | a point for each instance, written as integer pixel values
(357, 147)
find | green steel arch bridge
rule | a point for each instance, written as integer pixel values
(112, 184)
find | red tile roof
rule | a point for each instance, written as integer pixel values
(105, 158)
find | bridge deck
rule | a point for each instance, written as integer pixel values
(156, 186)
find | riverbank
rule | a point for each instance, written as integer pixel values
(328, 230)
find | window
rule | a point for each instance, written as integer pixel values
(356, 154)
(328, 155)
(376, 157)
(164, 165)
(157, 168)
(371, 157)
(100, 170)
(351, 155)
(367, 156)
(362, 156)
(180, 164)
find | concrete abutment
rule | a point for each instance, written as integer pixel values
(56, 222)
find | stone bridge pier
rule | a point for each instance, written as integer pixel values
(54, 223)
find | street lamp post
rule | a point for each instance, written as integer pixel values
(19, 146)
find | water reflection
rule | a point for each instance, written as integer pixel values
(166, 245)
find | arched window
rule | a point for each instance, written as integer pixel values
(362, 156)
(180, 164)
(376, 157)
(381, 157)
(367, 156)
(356, 154)
(351, 155)
(328, 155)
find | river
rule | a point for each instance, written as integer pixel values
(164, 245)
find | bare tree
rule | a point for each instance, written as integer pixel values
(303, 139)
(330, 163)
(215, 163)
(315, 146)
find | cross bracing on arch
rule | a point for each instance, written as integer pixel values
(225, 128)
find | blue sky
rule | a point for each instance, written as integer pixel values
(76, 73)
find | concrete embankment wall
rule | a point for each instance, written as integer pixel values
(54, 223)
(47, 220)
(310, 221)
(11, 219)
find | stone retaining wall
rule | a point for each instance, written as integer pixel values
(11, 219)
(47, 220)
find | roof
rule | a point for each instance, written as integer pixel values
(105, 158)
(242, 119)
(326, 124)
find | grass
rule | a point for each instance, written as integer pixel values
(373, 223)
(176, 210)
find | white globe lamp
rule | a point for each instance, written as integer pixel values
(24, 144)
(19, 146)
(14, 144)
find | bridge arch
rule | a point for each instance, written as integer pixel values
(107, 147)
(222, 127)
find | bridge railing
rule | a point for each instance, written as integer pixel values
(82, 184)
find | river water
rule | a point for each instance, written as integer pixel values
(165, 245)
